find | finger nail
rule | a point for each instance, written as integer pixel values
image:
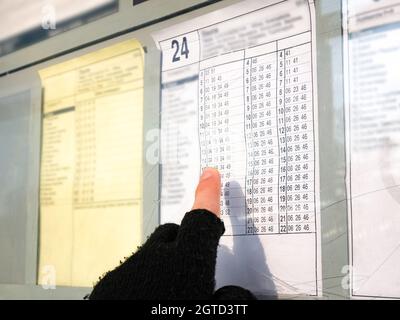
(207, 173)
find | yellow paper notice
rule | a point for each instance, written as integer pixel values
(91, 166)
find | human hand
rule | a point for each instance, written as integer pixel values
(176, 262)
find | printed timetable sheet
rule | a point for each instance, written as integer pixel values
(372, 50)
(91, 164)
(239, 95)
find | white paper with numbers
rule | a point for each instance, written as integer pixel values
(239, 94)
(372, 76)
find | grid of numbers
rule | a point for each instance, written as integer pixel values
(272, 154)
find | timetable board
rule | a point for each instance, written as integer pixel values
(372, 48)
(263, 262)
(238, 94)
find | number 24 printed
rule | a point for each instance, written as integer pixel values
(184, 49)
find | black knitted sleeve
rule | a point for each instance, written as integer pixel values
(176, 262)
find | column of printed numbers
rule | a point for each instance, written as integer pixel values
(299, 139)
(223, 102)
(250, 227)
(281, 130)
(265, 151)
(85, 160)
(202, 124)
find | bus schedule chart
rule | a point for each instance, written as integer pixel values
(254, 115)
